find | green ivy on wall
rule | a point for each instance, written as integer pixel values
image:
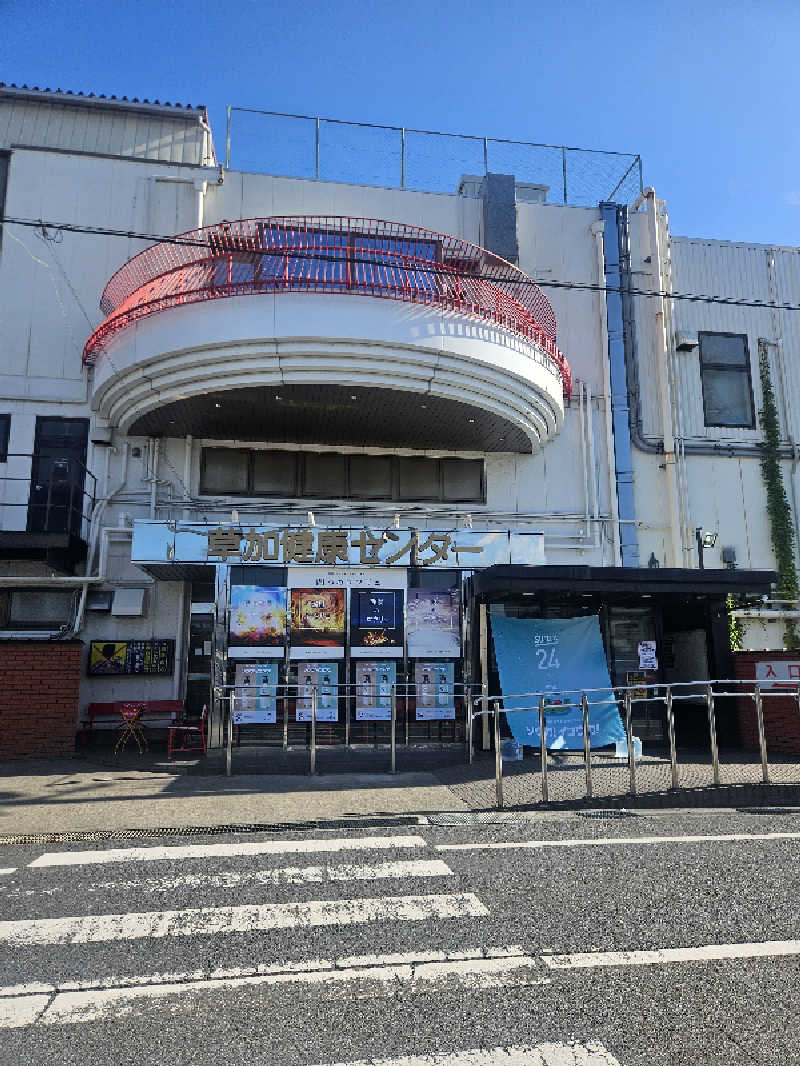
(735, 629)
(778, 510)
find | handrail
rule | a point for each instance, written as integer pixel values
(662, 692)
(329, 254)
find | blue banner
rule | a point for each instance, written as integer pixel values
(560, 657)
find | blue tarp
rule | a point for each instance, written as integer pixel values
(560, 657)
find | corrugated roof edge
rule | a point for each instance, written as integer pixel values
(100, 99)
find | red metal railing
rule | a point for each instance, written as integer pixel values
(329, 254)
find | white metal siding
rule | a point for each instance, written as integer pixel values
(83, 128)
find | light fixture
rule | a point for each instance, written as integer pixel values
(470, 419)
(234, 517)
(468, 521)
(311, 519)
(397, 521)
(353, 396)
(704, 540)
(218, 404)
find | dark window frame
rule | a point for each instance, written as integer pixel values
(5, 435)
(744, 367)
(299, 457)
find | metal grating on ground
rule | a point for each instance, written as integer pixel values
(196, 830)
(610, 814)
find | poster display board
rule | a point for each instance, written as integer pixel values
(435, 691)
(325, 677)
(317, 621)
(257, 704)
(116, 658)
(374, 680)
(376, 623)
(434, 623)
(257, 622)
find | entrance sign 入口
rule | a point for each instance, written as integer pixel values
(435, 691)
(257, 622)
(374, 680)
(434, 623)
(317, 621)
(325, 678)
(256, 703)
(559, 657)
(376, 623)
(778, 674)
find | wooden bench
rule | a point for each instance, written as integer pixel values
(163, 713)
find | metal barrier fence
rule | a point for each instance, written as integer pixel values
(626, 698)
(316, 716)
(362, 153)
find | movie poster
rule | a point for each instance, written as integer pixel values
(257, 621)
(317, 621)
(374, 680)
(325, 678)
(434, 623)
(257, 702)
(435, 691)
(376, 623)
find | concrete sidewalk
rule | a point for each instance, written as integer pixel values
(89, 794)
(69, 795)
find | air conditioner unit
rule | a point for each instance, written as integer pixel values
(685, 341)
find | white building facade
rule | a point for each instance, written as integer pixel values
(265, 421)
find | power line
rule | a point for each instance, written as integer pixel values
(418, 267)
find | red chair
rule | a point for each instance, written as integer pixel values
(188, 736)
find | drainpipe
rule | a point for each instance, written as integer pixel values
(156, 447)
(662, 355)
(187, 475)
(613, 527)
(615, 219)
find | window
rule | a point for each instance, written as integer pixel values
(725, 373)
(337, 476)
(5, 427)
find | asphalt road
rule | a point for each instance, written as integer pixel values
(585, 941)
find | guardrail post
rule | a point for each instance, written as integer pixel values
(469, 729)
(313, 768)
(762, 740)
(229, 738)
(543, 750)
(498, 755)
(629, 738)
(394, 729)
(286, 718)
(673, 754)
(712, 730)
(587, 744)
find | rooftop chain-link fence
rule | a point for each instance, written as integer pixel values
(301, 146)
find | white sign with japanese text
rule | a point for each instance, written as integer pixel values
(314, 546)
(778, 674)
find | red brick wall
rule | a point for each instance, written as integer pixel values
(39, 683)
(781, 714)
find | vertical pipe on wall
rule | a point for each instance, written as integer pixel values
(667, 406)
(598, 231)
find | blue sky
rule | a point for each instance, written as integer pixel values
(707, 92)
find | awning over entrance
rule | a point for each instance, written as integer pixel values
(496, 582)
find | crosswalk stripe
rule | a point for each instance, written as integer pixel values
(550, 1054)
(605, 842)
(222, 850)
(207, 921)
(75, 1002)
(5, 870)
(282, 875)
(704, 953)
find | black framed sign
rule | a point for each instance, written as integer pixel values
(117, 658)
